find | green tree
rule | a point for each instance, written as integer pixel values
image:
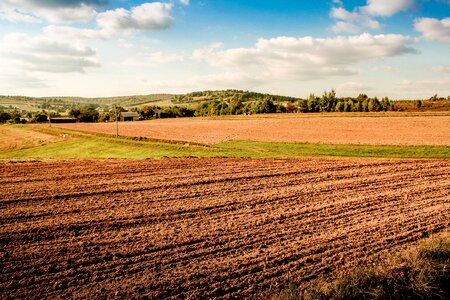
(339, 106)
(418, 104)
(302, 105)
(328, 101)
(385, 104)
(348, 105)
(374, 104)
(4, 116)
(39, 117)
(313, 103)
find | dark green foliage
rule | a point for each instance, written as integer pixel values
(418, 103)
(85, 114)
(4, 117)
(39, 117)
(203, 103)
(156, 112)
(264, 106)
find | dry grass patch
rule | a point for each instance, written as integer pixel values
(418, 273)
(17, 138)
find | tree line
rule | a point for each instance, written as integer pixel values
(230, 102)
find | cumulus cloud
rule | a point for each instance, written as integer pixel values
(56, 3)
(386, 8)
(145, 17)
(43, 54)
(184, 2)
(50, 10)
(434, 29)
(21, 80)
(10, 14)
(62, 49)
(363, 17)
(290, 58)
(351, 21)
(72, 33)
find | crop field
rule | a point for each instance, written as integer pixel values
(367, 129)
(206, 227)
(13, 138)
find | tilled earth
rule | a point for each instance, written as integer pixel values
(203, 228)
(384, 129)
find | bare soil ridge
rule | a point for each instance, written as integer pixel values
(206, 227)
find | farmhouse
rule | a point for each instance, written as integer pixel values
(63, 120)
(129, 116)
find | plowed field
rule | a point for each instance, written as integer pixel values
(379, 129)
(206, 227)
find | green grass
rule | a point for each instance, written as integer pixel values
(104, 147)
(91, 145)
(421, 272)
(268, 149)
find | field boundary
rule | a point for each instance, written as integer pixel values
(80, 144)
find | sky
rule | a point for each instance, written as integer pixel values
(99, 48)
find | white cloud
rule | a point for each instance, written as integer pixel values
(21, 80)
(362, 17)
(69, 33)
(184, 2)
(82, 13)
(434, 29)
(46, 55)
(10, 14)
(52, 11)
(55, 3)
(351, 21)
(386, 8)
(306, 58)
(341, 26)
(145, 17)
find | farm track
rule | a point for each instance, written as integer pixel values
(202, 228)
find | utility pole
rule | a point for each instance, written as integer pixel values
(117, 121)
(49, 120)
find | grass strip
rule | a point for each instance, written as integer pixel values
(275, 149)
(78, 144)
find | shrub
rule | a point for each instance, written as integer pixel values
(419, 273)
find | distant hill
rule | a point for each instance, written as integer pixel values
(62, 104)
(228, 95)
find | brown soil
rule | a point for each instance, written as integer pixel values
(375, 129)
(205, 228)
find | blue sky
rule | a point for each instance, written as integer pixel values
(394, 48)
